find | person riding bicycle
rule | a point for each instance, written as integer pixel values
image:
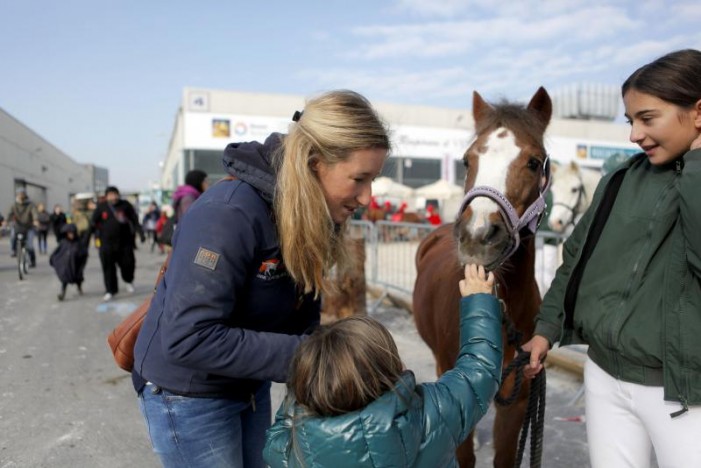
(24, 217)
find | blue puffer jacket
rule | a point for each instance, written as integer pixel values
(411, 426)
(227, 316)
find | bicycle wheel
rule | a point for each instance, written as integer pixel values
(20, 261)
(25, 260)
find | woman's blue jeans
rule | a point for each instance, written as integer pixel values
(206, 432)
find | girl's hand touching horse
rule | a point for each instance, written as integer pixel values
(476, 281)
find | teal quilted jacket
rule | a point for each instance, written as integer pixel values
(411, 426)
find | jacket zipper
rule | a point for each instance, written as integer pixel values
(682, 399)
(633, 279)
(685, 407)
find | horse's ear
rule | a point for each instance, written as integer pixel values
(574, 166)
(541, 103)
(480, 107)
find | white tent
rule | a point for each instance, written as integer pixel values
(439, 190)
(385, 187)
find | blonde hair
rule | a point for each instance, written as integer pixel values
(344, 366)
(331, 127)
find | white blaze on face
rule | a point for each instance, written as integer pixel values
(501, 150)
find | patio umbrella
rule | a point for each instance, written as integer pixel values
(439, 190)
(385, 187)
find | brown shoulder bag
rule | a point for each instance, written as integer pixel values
(123, 338)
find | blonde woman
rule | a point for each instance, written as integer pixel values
(351, 403)
(248, 266)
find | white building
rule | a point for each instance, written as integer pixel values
(428, 142)
(48, 174)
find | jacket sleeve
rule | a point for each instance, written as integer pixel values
(276, 452)
(201, 301)
(134, 219)
(462, 395)
(183, 206)
(35, 214)
(549, 319)
(690, 209)
(94, 219)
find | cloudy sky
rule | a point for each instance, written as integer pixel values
(102, 80)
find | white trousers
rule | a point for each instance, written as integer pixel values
(625, 421)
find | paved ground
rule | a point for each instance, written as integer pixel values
(63, 403)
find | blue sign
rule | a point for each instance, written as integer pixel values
(605, 152)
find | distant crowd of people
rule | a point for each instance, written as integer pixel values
(398, 213)
(112, 222)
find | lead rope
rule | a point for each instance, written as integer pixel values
(534, 419)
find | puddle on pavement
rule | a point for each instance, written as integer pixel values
(119, 308)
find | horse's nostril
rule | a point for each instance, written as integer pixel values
(488, 234)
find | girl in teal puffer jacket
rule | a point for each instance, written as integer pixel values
(351, 403)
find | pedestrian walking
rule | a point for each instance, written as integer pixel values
(196, 183)
(57, 219)
(630, 282)
(44, 223)
(149, 222)
(118, 225)
(249, 263)
(68, 260)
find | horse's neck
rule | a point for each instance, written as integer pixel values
(518, 287)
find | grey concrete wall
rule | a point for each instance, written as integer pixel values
(50, 175)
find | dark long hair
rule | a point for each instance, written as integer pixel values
(674, 78)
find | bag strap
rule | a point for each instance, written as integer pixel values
(597, 226)
(162, 271)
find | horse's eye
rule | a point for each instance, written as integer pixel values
(575, 189)
(533, 164)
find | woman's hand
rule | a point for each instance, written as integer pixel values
(538, 346)
(476, 281)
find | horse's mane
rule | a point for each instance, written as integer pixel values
(516, 117)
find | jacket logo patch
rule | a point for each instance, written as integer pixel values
(271, 269)
(206, 258)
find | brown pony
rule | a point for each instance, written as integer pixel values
(507, 156)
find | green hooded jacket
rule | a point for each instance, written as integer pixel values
(638, 305)
(410, 426)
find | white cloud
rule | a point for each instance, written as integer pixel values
(443, 8)
(510, 49)
(448, 38)
(687, 10)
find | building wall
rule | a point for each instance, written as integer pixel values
(428, 142)
(27, 159)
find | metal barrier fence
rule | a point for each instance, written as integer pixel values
(390, 250)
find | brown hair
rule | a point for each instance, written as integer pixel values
(331, 127)
(344, 366)
(673, 78)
